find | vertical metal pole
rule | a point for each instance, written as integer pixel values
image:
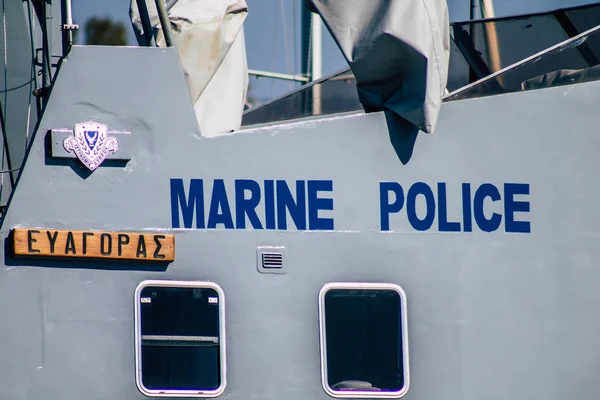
(67, 26)
(474, 10)
(487, 9)
(68, 19)
(164, 22)
(146, 24)
(46, 45)
(316, 72)
(491, 36)
(305, 32)
(316, 47)
(474, 14)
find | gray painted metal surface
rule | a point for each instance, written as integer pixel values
(491, 315)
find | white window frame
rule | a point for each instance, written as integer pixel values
(322, 330)
(138, 340)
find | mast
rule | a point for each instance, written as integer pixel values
(316, 37)
(67, 27)
(312, 47)
(485, 9)
(491, 36)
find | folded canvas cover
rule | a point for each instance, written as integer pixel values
(398, 51)
(209, 37)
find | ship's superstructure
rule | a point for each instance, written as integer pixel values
(320, 251)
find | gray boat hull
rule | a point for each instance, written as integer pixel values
(495, 315)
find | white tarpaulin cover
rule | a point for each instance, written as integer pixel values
(398, 51)
(209, 37)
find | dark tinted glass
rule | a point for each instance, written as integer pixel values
(480, 48)
(180, 368)
(335, 94)
(584, 19)
(458, 69)
(364, 340)
(515, 38)
(180, 311)
(562, 66)
(180, 338)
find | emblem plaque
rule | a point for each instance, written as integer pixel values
(91, 143)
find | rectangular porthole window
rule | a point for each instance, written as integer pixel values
(180, 339)
(364, 340)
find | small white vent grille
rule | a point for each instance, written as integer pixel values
(272, 260)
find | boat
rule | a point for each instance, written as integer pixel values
(320, 250)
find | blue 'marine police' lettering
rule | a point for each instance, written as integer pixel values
(270, 205)
(309, 205)
(466, 207)
(219, 213)
(295, 207)
(485, 205)
(317, 203)
(511, 206)
(386, 206)
(247, 206)
(443, 224)
(416, 189)
(193, 202)
(485, 224)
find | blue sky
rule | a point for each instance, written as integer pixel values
(273, 34)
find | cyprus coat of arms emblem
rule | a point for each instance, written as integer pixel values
(91, 143)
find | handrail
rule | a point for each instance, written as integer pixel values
(276, 75)
(164, 22)
(146, 24)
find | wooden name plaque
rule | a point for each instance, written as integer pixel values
(36, 242)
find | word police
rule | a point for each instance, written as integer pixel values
(472, 205)
(245, 203)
